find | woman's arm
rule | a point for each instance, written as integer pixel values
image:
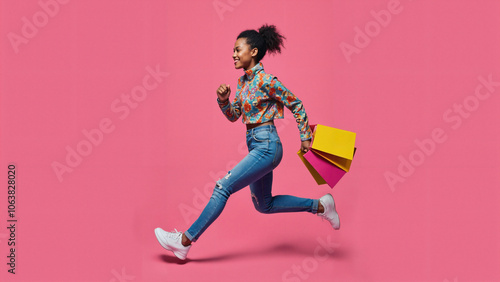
(232, 111)
(280, 93)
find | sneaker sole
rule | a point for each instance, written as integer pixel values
(336, 214)
(337, 217)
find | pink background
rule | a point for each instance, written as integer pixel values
(441, 224)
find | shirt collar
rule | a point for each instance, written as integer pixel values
(250, 73)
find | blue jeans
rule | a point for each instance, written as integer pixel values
(256, 169)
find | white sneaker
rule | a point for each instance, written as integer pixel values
(329, 213)
(172, 241)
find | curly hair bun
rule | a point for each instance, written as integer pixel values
(273, 39)
(266, 39)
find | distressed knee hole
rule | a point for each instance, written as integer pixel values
(218, 183)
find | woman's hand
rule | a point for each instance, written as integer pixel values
(223, 92)
(305, 145)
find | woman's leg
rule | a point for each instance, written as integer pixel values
(262, 198)
(264, 155)
(264, 202)
(255, 165)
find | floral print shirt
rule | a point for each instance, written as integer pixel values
(260, 97)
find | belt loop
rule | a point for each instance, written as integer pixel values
(270, 126)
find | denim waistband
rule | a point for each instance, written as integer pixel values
(267, 127)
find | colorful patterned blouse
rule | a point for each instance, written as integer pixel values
(260, 97)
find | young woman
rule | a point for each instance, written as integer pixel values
(259, 99)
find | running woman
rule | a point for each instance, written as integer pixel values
(260, 98)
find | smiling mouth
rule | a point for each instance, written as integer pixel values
(235, 61)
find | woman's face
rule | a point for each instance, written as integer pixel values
(242, 55)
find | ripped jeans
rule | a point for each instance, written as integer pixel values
(255, 169)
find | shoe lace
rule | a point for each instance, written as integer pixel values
(175, 234)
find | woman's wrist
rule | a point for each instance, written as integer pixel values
(222, 102)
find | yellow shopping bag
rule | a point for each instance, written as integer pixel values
(334, 145)
(331, 154)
